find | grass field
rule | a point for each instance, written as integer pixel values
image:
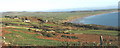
(21, 38)
(56, 16)
(37, 32)
(102, 32)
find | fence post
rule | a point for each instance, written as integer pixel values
(101, 40)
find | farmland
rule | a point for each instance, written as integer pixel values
(54, 29)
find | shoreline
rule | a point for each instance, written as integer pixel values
(75, 18)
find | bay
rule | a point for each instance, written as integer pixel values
(109, 19)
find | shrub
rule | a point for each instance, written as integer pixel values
(7, 17)
(70, 37)
(44, 33)
(73, 37)
(50, 35)
(6, 24)
(64, 36)
(47, 34)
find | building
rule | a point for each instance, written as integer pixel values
(27, 21)
(16, 18)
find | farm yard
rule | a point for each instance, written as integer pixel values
(54, 29)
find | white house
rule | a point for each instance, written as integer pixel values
(27, 21)
(16, 18)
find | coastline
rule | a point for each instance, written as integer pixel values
(75, 18)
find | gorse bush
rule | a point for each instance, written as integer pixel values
(48, 34)
(70, 37)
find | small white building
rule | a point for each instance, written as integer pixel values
(16, 18)
(46, 21)
(26, 21)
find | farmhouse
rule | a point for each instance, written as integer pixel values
(46, 21)
(27, 21)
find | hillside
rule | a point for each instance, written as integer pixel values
(53, 29)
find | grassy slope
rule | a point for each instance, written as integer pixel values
(56, 16)
(103, 32)
(28, 39)
(20, 37)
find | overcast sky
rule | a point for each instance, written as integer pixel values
(41, 5)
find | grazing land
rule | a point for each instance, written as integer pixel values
(55, 29)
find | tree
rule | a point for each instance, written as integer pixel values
(7, 17)
(15, 16)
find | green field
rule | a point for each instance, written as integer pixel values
(57, 16)
(20, 33)
(102, 32)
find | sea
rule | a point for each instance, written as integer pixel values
(109, 19)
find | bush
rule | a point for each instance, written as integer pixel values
(70, 37)
(64, 36)
(6, 24)
(50, 35)
(73, 37)
(44, 33)
(47, 34)
(7, 17)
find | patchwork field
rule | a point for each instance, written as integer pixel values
(54, 29)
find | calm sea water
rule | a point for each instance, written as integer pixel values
(109, 19)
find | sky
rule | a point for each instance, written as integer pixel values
(42, 5)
